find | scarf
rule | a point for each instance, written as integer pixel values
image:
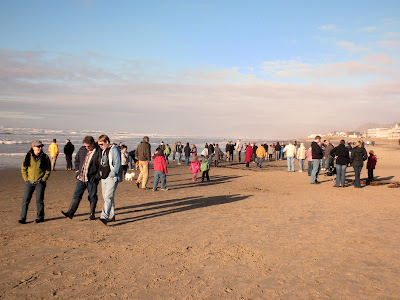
(43, 161)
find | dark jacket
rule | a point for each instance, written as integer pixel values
(69, 148)
(143, 151)
(278, 147)
(94, 165)
(316, 151)
(265, 147)
(358, 155)
(342, 154)
(187, 150)
(210, 149)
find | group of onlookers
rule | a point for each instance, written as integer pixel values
(101, 161)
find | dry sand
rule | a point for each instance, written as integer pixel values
(246, 234)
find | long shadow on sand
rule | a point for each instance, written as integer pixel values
(213, 181)
(168, 207)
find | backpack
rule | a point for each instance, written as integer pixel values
(204, 165)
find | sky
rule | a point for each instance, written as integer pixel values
(262, 69)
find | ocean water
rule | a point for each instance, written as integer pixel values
(16, 142)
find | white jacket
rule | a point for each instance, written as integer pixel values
(290, 150)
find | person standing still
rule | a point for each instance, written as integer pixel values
(143, 154)
(69, 149)
(53, 151)
(111, 174)
(35, 169)
(317, 155)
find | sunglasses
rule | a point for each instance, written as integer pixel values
(101, 144)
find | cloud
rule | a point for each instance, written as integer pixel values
(368, 29)
(213, 102)
(327, 27)
(349, 46)
(391, 34)
(391, 45)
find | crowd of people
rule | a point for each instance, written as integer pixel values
(106, 163)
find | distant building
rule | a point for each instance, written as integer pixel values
(384, 132)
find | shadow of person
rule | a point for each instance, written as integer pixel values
(168, 207)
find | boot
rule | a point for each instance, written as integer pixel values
(92, 210)
(72, 208)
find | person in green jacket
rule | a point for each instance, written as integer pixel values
(35, 170)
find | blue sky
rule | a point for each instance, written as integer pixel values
(252, 63)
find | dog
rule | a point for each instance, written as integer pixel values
(129, 176)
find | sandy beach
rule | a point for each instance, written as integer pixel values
(247, 234)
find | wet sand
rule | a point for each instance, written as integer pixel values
(246, 234)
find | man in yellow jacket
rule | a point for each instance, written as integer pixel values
(53, 151)
(261, 153)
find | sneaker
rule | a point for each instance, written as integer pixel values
(166, 189)
(300, 171)
(22, 221)
(137, 184)
(39, 220)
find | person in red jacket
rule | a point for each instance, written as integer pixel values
(249, 154)
(160, 171)
(371, 163)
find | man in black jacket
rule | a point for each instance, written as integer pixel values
(316, 156)
(87, 166)
(69, 148)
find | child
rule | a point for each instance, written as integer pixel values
(124, 160)
(371, 163)
(205, 167)
(160, 170)
(195, 167)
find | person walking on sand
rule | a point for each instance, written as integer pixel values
(187, 151)
(271, 150)
(277, 151)
(35, 170)
(249, 154)
(371, 163)
(195, 167)
(239, 148)
(261, 153)
(111, 174)
(167, 153)
(301, 156)
(316, 162)
(327, 155)
(87, 166)
(160, 171)
(143, 153)
(69, 149)
(342, 160)
(309, 159)
(124, 160)
(217, 155)
(173, 150)
(358, 156)
(290, 151)
(179, 148)
(205, 168)
(53, 151)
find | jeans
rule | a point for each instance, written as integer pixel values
(290, 163)
(328, 162)
(259, 161)
(210, 158)
(277, 155)
(239, 153)
(187, 160)
(340, 174)
(357, 174)
(144, 173)
(316, 165)
(40, 187)
(68, 158)
(301, 164)
(173, 155)
(179, 157)
(108, 187)
(324, 163)
(157, 176)
(80, 188)
(309, 167)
